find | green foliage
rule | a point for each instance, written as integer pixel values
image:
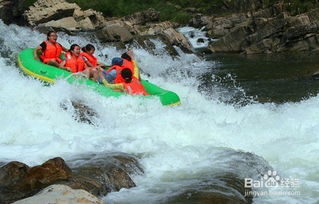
(175, 9)
(110, 8)
(27, 3)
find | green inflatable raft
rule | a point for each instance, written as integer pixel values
(48, 73)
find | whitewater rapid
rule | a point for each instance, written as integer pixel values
(176, 145)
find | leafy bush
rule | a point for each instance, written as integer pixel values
(175, 9)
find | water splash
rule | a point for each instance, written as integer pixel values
(176, 145)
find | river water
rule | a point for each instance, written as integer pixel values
(240, 115)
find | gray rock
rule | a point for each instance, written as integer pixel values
(81, 112)
(235, 41)
(114, 33)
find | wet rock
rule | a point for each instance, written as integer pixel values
(98, 174)
(81, 112)
(11, 11)
(225, 185)
(18, 180)
(58, 194)
(200, 40)
(101, 174)
(167, 29)
(13, 172)
(224, 189)
(147, 42)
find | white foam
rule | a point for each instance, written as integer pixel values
(178, 144)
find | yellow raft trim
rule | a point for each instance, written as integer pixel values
(27, 71)
(175, 104)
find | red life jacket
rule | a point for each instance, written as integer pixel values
(135, 87)
(76, 64)
(52, 52)
(91, 58)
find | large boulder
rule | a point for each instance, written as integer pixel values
(226, 188)
(18, 180)
(114, 32)
(46, 10)
(167, 29)
(98, 174)
(223, 25)
(101, 174)
(232, 42)
(58, 194)
(96, 18)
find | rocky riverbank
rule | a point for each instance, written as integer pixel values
(252, 27)
(60, 15)
(269, 30)
(96, 174)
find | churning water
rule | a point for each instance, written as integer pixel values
(179, 147)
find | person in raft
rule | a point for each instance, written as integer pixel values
(73, 61)
(126, 61)
(93, 66)
(50, 50)
(121, 78)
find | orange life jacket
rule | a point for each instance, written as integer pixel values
(128, 64)
(118, 69)
(76, 64)
(135, 87)
(91, 58)
(52, 51)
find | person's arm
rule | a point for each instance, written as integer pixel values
(41, 47)
(35, 52)
(62, 65)
(87, 62)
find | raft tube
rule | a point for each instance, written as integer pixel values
(47, 73)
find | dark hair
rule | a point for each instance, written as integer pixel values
(126, 56)
(49, 33)
(73, 46)
(126, 73)
(88, 47)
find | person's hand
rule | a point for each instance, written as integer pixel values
(36, 57)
